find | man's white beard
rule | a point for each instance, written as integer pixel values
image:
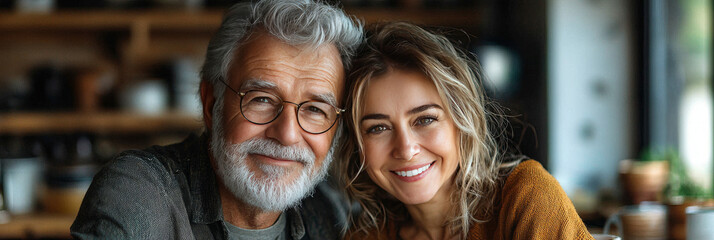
(269, 191)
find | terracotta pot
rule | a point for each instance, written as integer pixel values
(643, 181)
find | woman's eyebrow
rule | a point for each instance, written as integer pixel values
(423, 108)
(376, 116)
(379, 116)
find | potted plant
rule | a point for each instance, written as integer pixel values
(644, 179)
(681, 192)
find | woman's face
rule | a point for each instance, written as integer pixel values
(410, 146)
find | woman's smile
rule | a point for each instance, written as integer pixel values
(413, 173)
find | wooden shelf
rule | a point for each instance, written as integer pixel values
(103, 122)
(205, 20)
(37, 226)
(143, 41)
(432, 17)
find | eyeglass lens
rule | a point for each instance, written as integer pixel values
(262, 107)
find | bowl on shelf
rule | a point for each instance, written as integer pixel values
(149, 97)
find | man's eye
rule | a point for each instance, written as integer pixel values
(261, 100)
(377, 129)
(316, 110)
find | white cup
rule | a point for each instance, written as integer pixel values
(699, 222)
(21, 176)
(644, 221)
(599, 236)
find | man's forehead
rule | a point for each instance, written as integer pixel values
(270, 60)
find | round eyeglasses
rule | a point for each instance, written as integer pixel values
(260, 107)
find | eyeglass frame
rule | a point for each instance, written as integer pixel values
(282, 106)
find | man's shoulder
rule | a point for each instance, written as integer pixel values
(324, 212)
(135, 195)
(154, 165)
(166, 158)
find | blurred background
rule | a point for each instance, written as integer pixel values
(613, 97)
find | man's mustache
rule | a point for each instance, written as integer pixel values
(270, 148)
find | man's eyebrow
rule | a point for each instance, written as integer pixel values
(375, 116)
(256, 83)
(424, 108)
(253, 83)
(329, 98)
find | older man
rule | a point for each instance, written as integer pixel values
(272, 87)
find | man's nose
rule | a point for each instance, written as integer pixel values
(285, 129)
(406, 145)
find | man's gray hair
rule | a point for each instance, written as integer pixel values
(300, 22)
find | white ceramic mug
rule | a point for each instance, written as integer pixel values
(644, 221)
(599, 236)
(20, 180)
(699, 222)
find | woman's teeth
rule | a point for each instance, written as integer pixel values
(414, 172)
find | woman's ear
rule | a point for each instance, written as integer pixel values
(207, 101)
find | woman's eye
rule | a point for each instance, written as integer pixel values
(377, 129)
(424, 121)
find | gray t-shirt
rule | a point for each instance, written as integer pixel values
(278, 231)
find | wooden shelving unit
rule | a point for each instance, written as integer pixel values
(109, 20)
(140, 38)
(102, 122)
(141, 30)
(437, 17)
(206, 20)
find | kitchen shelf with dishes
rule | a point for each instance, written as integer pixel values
(131, 44)
(68, 78)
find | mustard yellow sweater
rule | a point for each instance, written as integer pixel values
(531, 205)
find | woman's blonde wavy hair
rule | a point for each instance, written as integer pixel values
(457, 77)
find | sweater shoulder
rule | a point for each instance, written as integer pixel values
(528, 174)
(534, 204)
(529, 184)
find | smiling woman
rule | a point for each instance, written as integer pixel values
(420, 155)
(409, 142)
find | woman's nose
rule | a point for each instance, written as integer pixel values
(406, 146)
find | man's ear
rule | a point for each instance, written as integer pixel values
(207, 100)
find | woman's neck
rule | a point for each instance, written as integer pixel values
(429, 219)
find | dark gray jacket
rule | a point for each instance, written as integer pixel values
(170, 192)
